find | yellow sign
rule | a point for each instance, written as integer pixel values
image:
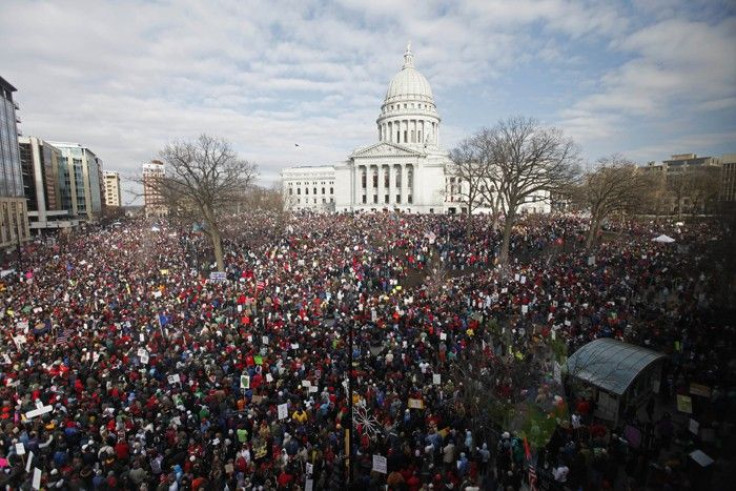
(684, 404)
(416, 403)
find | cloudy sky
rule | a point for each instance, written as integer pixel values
(645, 78)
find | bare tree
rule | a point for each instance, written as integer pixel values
(616, 186)
(469, 170)
(526, 162)
(704, 187)
(698, 185)
(203, 179)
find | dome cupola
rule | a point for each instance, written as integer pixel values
(408, 113)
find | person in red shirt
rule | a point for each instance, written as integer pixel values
(285, 479)
(122, 450)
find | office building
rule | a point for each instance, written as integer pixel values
(153, 201)
(80, 181)
(13, 213)
(112, 188)
(40, 162)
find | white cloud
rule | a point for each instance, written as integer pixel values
(126, 77)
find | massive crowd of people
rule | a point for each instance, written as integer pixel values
(125, 365)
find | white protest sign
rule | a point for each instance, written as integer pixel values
(245, 381)
(144, 357)
(36, 483)
(524, 309)
(283, 411)
(694, 426)
(380, 464)
(264, 339)
(313, 388)
(269, 378)
(29, 461)
(443, 336)
(306, 383)
(174, 378)
(436, 378)
(39, 411)
(20, 449)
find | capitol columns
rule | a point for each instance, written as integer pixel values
(356, 185)
(391, 191)
(404, 182)
(380, 190)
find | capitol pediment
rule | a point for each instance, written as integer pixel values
(386, 149)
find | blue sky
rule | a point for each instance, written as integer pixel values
(644, 78)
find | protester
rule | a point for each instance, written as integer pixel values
(125, 366)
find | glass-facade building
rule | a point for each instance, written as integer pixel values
(80, 180)
(13, 213)
(11, 182)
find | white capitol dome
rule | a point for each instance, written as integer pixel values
(408, 113)
(409, 84)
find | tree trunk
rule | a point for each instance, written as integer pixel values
(590, 239)
(507, 227)
(216, 238)
(469, 225)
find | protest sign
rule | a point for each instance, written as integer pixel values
(416, 403)
(694, 427)
(36, 482)
(380, 464)
(684, 404)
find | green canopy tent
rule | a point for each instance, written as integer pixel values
(618, 374)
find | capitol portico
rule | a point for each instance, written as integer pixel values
(405, 171)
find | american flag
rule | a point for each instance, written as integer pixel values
(532, 477)
(261, 285)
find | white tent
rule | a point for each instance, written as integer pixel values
(664, 239)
